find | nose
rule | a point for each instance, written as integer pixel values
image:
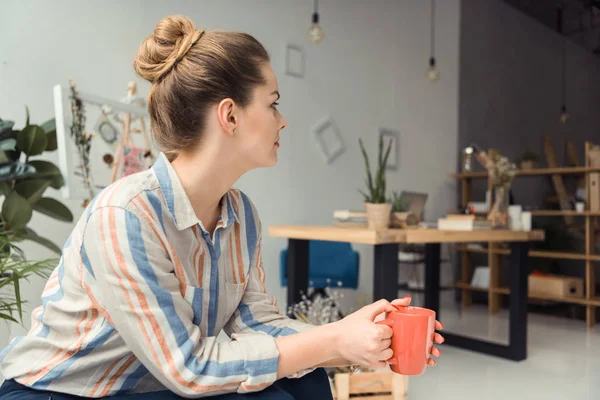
(283, 123)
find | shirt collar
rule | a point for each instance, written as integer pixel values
(179, 204)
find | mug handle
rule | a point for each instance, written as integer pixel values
(390, 323)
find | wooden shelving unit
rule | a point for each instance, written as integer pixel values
(495, 250)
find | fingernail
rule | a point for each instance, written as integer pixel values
(406, 297)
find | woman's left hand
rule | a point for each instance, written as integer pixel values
(437, 338)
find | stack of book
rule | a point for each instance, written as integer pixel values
(462, 222)
(350, 218)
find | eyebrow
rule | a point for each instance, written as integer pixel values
(277, 93)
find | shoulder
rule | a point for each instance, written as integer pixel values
(126, 196)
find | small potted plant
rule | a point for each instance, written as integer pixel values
(378, 208)
(528, 160)
(401, 218)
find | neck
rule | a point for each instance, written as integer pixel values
(206, 176)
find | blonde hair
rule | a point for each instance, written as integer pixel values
(190, 70)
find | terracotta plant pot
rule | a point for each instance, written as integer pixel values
(378, 215)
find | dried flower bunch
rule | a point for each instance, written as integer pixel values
(83, 140)
(501, 170)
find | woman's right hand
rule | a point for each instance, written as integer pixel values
(362, 341)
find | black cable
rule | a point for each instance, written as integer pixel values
(432, 38)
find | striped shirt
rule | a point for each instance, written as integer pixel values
(141, 292)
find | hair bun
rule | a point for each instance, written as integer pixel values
(172, 39)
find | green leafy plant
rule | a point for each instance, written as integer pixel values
(24, 180)
(14, 268)
(399, 202)
(376, 183)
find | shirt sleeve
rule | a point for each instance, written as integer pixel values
(133, 279)
(258, 311)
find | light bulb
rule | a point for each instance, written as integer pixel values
(564, 115)
(315, 32)
(433, 74)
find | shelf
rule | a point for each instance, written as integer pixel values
(532, 172)
(404, 286)
(502, 290)
(543, 213)
(562, 255)
(466, 286)
(536, 254)
(551, 213)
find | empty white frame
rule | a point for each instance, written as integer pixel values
(328, 138)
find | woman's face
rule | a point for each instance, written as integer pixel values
(257, 134)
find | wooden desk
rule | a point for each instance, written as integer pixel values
(385, 274)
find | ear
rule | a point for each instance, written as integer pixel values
(227, 115)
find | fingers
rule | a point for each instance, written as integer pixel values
(437, 338)
(385, 344)
(377, 308)
(435, 352)
(384, 331)
(380, 317)
(404, 302)
(431, 362)
(386, 354)
(438, 325)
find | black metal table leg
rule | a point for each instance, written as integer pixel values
(519, 271)
(432, 277)
(297, 270)
(385, 272)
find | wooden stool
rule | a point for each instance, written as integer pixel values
(385, 385)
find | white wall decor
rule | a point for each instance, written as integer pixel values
(294, 60)
(328, 137)
(394, 157)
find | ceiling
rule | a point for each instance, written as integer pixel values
(580, 18)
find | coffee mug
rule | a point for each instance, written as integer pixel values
(412, 339)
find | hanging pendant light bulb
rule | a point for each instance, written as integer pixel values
(564, 115)
(432, 74)
(315, 31)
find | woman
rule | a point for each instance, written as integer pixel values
(164, 260)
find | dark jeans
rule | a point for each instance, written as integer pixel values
(314, 386)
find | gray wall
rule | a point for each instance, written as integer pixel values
(369, 72)
(510, 96)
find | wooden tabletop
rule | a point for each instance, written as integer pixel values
(417, 235)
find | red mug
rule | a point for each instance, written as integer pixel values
(412, 338)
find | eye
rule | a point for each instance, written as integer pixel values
(274, 105)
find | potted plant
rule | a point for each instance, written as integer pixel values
(23, 181)
(528, 160)
(401, 218)
(378, 208)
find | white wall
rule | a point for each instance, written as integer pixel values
(369, 72)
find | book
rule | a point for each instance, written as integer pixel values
(344, 215)
(462, 224)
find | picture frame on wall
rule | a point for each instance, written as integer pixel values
(328, 138)
(294, 60)
(394, 157)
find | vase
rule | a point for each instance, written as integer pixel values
(498, 216)
(378, 215)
